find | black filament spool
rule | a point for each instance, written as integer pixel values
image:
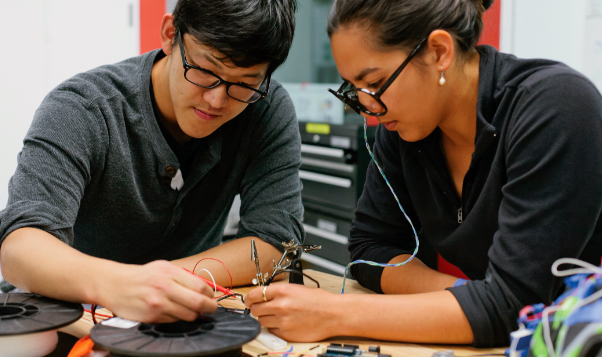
(221, 334)
(22, 313)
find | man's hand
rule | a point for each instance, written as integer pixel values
(157, 292)
(295, 312)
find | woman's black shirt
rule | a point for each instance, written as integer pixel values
(532, 194)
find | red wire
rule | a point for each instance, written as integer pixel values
(217, 260)
(97, 314)
(210, 283)
(216, 286)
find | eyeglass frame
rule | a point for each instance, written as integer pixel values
(187, 66)
(359, 107)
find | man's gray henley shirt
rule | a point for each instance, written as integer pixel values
(95, 171)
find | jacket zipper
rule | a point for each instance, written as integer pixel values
(460, 219)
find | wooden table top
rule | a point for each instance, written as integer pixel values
(332, 284)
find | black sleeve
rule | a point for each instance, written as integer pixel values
(379, 231)
(551, 202)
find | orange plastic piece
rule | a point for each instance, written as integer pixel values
(82, 348)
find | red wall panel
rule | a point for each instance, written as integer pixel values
(491, 30)
(151, 14)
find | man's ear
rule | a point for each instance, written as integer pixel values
(168, 33)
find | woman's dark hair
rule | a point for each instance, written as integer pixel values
(246, 32)
(404, 23)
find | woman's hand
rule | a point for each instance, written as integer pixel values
(157, 292)
(297, 313)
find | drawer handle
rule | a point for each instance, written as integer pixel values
(324, 263)
(339, 238)
(327, 164)
(330, 180)
(320, 150)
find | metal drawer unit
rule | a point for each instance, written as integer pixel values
(333, 168)
(333, 172)
(331, 233)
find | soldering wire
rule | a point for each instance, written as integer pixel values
(360, 261)
(219, 261)
(211, 275)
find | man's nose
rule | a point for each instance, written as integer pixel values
(217, 97)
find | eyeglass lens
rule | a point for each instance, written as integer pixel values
(205, 79)
(364, 101)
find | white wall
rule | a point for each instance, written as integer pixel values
(45, 42)
(569, 31)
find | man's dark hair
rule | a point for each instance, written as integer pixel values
(246, 32)
(404, 23)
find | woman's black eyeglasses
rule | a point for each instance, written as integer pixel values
(349, 95)
(206, 79)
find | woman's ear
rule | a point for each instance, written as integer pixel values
(441, 49)
(168, 34)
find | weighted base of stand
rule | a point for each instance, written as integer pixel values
(296, 278)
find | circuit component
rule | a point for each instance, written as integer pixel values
(340, 350)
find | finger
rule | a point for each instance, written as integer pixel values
(262, 309)
(191, 299)
(276, 332)
(174, 312)
(269, 321)
(254, 296)
(194, 283)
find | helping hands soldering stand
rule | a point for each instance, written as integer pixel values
(291, 259)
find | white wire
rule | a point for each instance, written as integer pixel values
(587, 267)
(547, 337)
(514, 344)
(513, 347)
(211, 275)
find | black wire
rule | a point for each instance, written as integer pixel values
(231, 295)
(271, 278)
(93, 313)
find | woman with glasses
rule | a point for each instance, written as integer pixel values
(494, 160)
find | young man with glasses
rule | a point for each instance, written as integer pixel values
(138, 162)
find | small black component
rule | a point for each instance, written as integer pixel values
(374, 349)
(338, 349)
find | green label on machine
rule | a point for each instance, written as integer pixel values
(314, 128)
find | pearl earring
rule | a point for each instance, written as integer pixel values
(442, 80)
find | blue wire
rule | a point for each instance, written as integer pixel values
(400, 207)
(285, 354)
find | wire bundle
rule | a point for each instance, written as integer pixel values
(400, 207)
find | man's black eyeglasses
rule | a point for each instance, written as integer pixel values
(348, 94)
(206, 79)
